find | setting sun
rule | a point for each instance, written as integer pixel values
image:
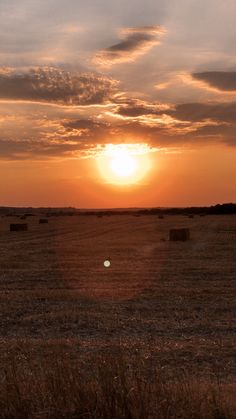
(124, 164)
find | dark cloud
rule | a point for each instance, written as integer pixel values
(136, 41)
(220, 80)
(191, 112)
(87, 130)
(53, 85)
(222, 112)
(14, 149)
(84, 124)
(135, 107)
(24, 150)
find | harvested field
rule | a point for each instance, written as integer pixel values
(173, 303)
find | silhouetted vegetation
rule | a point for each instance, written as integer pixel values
(219, 209)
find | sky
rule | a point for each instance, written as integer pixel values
(117, 104)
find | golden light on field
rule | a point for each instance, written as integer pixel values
(124, 164)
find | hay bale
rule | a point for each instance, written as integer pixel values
(43, 221)
(18, 227)
(179, 234)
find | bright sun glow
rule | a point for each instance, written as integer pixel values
(124, 164)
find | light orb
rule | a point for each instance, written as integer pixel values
(107, 264)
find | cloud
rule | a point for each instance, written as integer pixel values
(221, 112)
(89, 130)
(157, 124)
(57, 86)
(135, 42)
(26, 150)
(83, 124)
(220, 80)
(154, 114)
(164, 124)
(80, 132)
(136, 107)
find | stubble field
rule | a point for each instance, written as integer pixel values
(170, 303)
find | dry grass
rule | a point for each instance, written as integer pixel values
(173, 304)
(109, 387)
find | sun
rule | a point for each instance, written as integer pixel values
(123, 164)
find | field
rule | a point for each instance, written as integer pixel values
(169, 304)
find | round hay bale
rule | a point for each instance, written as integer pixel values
(43, 221)
(179, 234)
(18, 227)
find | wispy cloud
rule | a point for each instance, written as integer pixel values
(134, 42)
(137, 107)
(220, 80)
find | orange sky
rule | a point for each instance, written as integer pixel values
(189, 178)
(155, 87)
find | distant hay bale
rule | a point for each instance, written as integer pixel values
(43, 221)
(18, 227)
(179, 234)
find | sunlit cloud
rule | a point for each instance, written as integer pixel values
(224, 81)
(47, 137)
(137, 107)
(57, 86)
(135, 42)
(134, 149)
(86, 130)
(162, 86)
(221, 83)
